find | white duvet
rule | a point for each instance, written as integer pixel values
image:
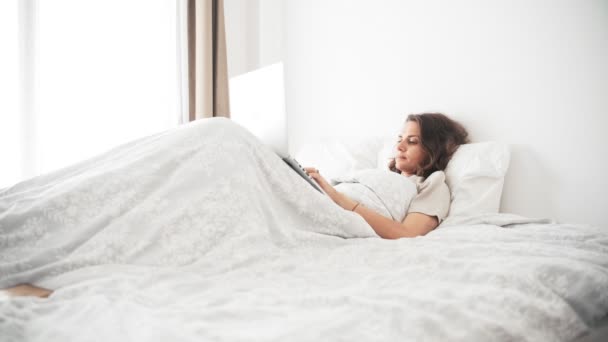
(203, 234)
(387, 193)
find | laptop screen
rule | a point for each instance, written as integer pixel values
(257, 102)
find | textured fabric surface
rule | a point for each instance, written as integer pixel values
(433, 197)
(166, 200)
(186, 236)
(385, 192)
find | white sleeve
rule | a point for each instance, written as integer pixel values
(433, 197)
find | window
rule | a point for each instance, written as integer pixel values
(102, 73)
(9, 93)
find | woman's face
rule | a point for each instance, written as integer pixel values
(409, 153)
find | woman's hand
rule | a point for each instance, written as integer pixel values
(338, 197)
(314, 174)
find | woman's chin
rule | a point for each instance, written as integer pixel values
(401, 167)
(404, 170)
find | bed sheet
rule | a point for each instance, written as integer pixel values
(531, 282)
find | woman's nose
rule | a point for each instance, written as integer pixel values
(401, 146)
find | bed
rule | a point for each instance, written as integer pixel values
(153, 241)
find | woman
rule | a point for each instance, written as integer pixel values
(423, 151)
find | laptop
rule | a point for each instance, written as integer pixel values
(257, 102)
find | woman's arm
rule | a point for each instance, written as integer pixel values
(414, 224)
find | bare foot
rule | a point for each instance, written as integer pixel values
(28, 290)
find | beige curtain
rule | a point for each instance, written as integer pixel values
(207, 64)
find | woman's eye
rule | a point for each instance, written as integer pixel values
(412, 142)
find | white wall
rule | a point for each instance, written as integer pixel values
(242, 35)
(533, 74)
(254, 34)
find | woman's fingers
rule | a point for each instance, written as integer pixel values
(322, 182)
(314, 174)
(336, 196)
(311, 170)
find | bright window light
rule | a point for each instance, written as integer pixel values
(9, 93)
(105, 73)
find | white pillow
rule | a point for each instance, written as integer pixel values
(339, 157)
(386, 153)
(475, 176)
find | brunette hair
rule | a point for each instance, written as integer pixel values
(440, 137)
